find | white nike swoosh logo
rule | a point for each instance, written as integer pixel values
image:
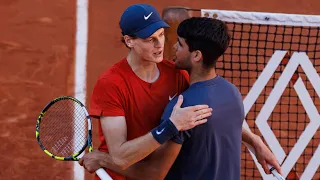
(170, 98)
(147, 17)
(159, 132)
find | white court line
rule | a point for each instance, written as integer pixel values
(81, 66)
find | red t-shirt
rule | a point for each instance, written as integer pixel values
(120, 92)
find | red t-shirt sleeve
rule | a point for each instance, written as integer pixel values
(107, 99)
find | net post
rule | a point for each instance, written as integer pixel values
(173, 16)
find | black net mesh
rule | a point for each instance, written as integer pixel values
(251, 48)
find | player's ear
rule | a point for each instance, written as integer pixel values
(197, 55)
(128, 40)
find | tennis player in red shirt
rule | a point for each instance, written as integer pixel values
(129, 99)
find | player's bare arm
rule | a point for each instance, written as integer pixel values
(125, 153)
(155, 166)
(264, 155)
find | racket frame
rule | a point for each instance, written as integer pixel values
(73, 157)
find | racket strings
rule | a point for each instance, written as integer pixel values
(64, 128)
(81, 129)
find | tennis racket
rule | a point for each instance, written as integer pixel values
(64, 130)
(271, 168)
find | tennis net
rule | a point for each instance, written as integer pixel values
(274, 60)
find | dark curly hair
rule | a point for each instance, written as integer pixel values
(208, 35)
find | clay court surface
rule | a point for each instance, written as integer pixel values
(37, 46)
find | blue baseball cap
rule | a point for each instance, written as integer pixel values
(141, 20)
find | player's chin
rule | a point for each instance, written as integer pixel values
(178, 65)
(174, 58)
(157, 59)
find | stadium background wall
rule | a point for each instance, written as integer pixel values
(37, 44)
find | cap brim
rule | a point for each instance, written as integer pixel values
(152, 28)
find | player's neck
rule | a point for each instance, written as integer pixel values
(200, 74)
(147, 71)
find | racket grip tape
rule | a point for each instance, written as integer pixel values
(275, 172)
(271, 168)
(103, 175)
